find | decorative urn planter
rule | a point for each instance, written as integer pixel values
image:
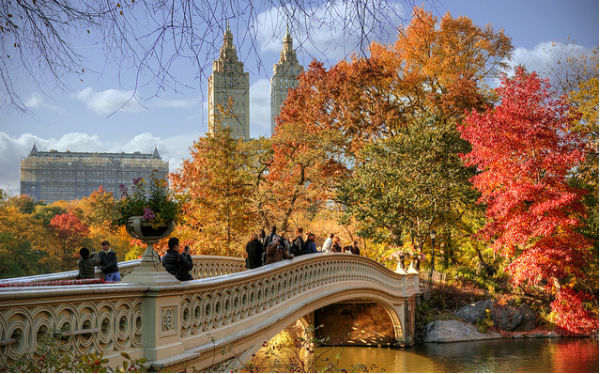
(140, 229)
(150, 271)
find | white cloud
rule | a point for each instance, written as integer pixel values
(109, 101)
(260, 108)
(331, 30)
(12, 149)
(548, 59)
(36, 101)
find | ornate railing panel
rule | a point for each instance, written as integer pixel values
(212, 266)
(100, 318)
(204, 267)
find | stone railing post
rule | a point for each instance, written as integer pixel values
(161, 325)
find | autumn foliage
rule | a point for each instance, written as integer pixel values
(525, 152)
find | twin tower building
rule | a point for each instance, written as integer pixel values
(229, 89)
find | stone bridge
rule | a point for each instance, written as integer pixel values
(215, 322)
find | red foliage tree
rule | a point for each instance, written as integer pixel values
(70, 232)
(525, 152)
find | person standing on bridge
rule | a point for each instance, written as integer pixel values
(297, 247)
(108, 263)
(178, 264)
(336, 247)
(310, 246)
(276, 252)
(352, 248)
(87, 264)
(262, 237)
(254, 250)
(328, 243)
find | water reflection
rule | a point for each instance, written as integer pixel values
(504, 355)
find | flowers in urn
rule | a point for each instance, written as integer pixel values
(152, 200)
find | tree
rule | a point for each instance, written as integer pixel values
(259, 157)
(41, 38)
(98, 208)
(18, 259)
(402, 103)
(525, 151)
(413, 182)
(306, 159)
(70, 233)
(435, 68)
(45, 213)
(217, 190)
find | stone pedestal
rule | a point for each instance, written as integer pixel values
(150, 272)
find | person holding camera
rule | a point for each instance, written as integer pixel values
(178, 264)
(276, 251)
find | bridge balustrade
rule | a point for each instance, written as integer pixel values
(204, 267)
(211, 323)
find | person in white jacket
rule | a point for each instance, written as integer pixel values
(327, 244)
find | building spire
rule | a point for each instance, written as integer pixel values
(34, 151)
(288, 53)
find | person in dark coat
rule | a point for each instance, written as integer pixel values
(298, 242)
(254, 250)
(87, 264)
(310, 246)
(335, 246)
(269, 238)
(108, 263)
(352, 248)
(262, 237)
(178, 264)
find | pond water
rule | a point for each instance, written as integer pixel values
(502, 355)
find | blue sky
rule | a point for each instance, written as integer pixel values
(84, 115)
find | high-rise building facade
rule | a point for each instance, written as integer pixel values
(285, 76)
(229, 88)
(53, 176)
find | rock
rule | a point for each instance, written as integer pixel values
(474, 312)
(455, 331)
(507, 318)
(529, 318)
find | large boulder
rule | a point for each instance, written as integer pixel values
(529, 318)
(455, 331)
(474, 312)
(507, 318)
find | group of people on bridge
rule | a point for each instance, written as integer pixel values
(178, 264)
(265, 249)
(261, 250)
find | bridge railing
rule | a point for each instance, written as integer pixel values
(204, 267)
(186, 322)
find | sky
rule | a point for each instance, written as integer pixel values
(102, 110)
